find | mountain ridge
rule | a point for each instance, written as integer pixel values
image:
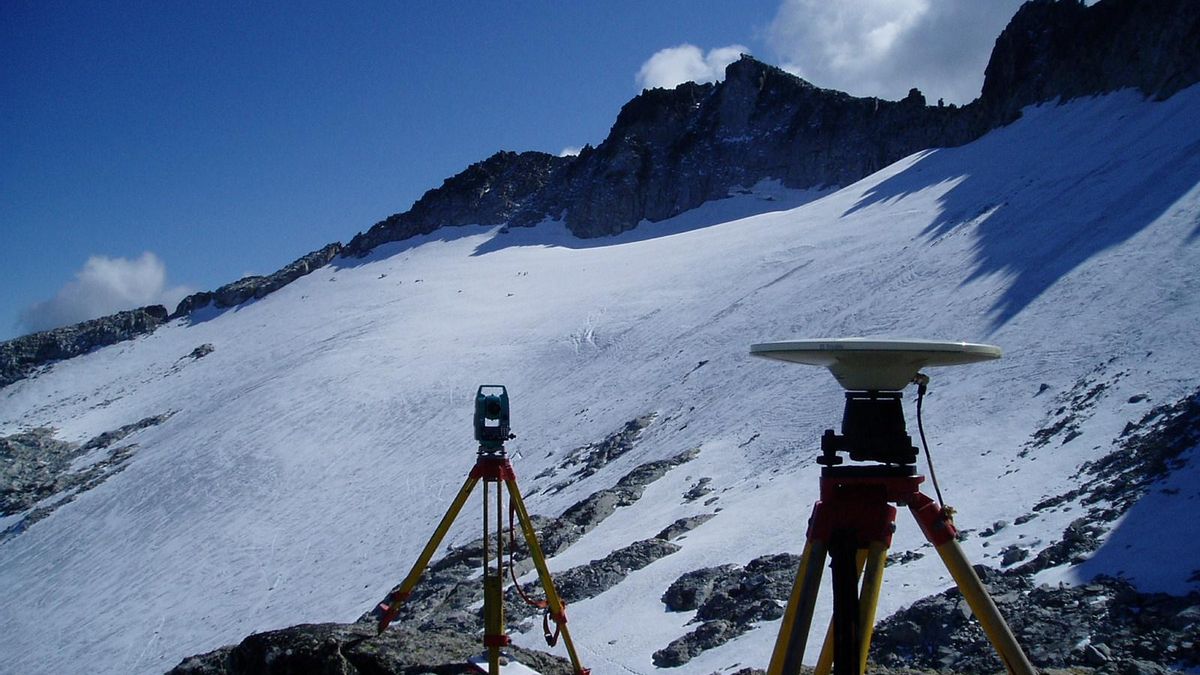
(670, 151)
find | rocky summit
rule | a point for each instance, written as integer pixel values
(672, 150)
(1066, 49)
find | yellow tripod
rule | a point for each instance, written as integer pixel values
(852, 524)
(492, 467)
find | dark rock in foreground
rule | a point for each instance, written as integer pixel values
(1106, 624)
(729, 600)
(588, 581)
(353, 649)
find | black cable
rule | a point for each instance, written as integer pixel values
(922, 381)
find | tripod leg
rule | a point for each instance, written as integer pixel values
(390, 607)
(494, 635)
(493, 620)
(873, 560)
(825, 660)
(941, 533)
(869, 600)
(990, 619)
(553, 602)
(797, 618)
(843, 554)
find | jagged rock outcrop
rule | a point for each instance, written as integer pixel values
(684, 525)
(588, 581)
(21, 356)
(1146, 452)
(586, 460)
(1066, 49)
(729, 600)
(486, 193)
(254, 287)
(672, 150)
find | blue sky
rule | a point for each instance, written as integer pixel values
(149, 149)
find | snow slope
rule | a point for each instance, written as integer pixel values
(313, 451)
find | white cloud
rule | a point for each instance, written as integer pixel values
(885, 47)
(104, 286)
(570, 151)
(686, 63)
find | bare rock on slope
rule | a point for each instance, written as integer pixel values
(354, 649)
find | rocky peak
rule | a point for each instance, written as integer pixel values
(659, 112)
(1065, 49)
(752, 87)
(914, 99)
(749, 78)
(670, 150)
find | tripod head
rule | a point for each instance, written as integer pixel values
(873, 430)
(873, 372)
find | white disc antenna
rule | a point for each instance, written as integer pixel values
(865, 364)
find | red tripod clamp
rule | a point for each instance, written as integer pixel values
(389, 609)
(493, 468)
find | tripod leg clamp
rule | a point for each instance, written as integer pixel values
(389, 609)
(934, 521)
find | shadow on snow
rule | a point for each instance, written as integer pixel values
(551, 233)
(1158, 538)
(1060, 185)
(716, 212)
